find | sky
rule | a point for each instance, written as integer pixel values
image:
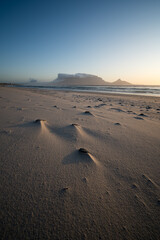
(109, 38)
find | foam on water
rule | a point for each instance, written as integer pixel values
(133, 90)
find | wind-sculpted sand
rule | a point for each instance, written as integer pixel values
(79, 165)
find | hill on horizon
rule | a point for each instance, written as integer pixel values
(120, 82)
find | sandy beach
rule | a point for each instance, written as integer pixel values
(77, 166)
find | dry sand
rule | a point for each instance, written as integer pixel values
(79, 165)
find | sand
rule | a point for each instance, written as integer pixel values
(79, 165)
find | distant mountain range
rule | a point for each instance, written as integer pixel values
(83, 79)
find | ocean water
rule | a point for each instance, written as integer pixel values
(131, 90)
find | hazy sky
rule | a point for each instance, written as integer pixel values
(112, 39)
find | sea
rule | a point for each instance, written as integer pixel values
(131, 90)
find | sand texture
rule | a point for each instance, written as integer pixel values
(78, 166)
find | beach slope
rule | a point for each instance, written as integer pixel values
(79, 165)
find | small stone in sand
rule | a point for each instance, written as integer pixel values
(83, 150)
(134, 186)
(63, 190)
(85, 180)
(118, 124)
(88, 112)
(75, 124)
(142, 114)
(39, 120)
(139, 118)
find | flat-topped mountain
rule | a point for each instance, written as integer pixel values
(83, 79)
(78, 79)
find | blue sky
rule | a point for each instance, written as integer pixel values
(111, 39)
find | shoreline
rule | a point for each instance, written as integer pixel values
(87, 92)
(74, 89)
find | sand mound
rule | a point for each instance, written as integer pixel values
(43, 125)
(46, 133)
(80, 156)
(66, 133)
(87, 157)
(148, 181)
(80, 131)
(73, 132)
(88, 113)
